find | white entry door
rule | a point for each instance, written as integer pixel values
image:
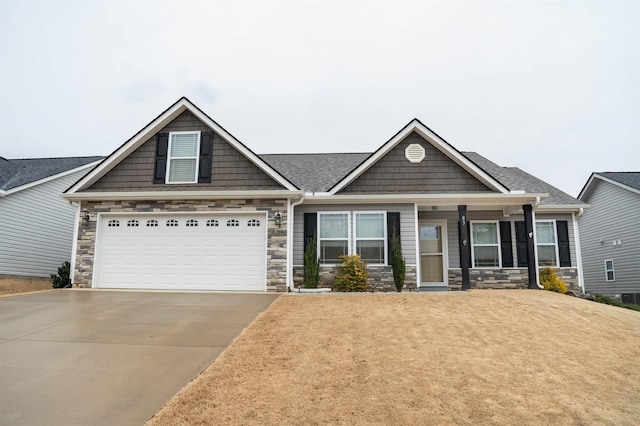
(181, 252)
(433, 253)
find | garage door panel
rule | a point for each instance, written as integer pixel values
(182, 257)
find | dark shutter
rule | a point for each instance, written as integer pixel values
(468, 247)
(206, 153)
(505, 244)
(310, 226)
(563, 242)
(160, 171)
(521, 244)
(393, 226)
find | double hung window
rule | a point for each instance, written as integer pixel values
(370, 238)
(333, 236)
(182, 159)
(609, 270)
(546, 239)
(485, 245)
(336, 237)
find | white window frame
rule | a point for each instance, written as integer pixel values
(384, 232)
(474, 245)
(555, 244)
(348, 239)
(196, 158)
(612, 270)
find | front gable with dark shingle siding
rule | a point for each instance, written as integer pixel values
(437, 173)
(230, 170)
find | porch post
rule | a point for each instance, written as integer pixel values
(463, 242)
(531, 252)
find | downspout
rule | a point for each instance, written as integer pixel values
(290, 214)
(74, 246)
(535, 238)
(576, 236)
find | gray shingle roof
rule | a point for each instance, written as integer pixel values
(15, 173)
(517, 179)
(631, 179)
(320, 172)
(314, 172)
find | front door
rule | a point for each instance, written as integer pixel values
(433, 253)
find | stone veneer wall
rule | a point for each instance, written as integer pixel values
(506, 278)
(276, 236)
(380, 277)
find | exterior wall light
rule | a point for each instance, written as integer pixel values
(278, 218)
(85, 217)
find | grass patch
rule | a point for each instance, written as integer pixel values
(12, 285)
(478, 357)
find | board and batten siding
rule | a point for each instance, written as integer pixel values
(36, 228)
(613, 216)
(407, 226)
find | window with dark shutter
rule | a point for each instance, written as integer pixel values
(521, 244)
(505, 244)
(310, 227)
(393, 227)
(564, 251)
(162, 145)
(206, 155)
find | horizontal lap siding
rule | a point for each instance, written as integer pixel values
(407, 226)
(437, 173)
(230, 169)
(613, 215)
(36, 228)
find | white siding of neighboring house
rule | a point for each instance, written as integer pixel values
(36, 228)
(407, 226)
(613, 215)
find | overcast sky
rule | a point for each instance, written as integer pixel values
(550, 87)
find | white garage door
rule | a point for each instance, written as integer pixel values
(182, 252)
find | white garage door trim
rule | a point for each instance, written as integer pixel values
(149, 275)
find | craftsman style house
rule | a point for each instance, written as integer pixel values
(184, 205)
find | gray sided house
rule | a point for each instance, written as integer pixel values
(184, 205)
(36, 224)
(610, 235)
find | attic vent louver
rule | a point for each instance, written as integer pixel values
(414, 153)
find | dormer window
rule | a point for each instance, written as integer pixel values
(182, 158)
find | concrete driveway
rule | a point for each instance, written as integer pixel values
(110, 357)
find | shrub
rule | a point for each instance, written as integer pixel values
(398, 264)
(614, 302)
(351, 274)
(311, 265)
(551, 282)
(61, 279)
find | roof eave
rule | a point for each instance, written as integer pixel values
(181, 195)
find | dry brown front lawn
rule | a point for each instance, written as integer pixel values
(12, 286)
(479, 357)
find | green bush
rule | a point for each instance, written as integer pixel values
(311, 265)
(615, 302)
(398, 264)
(351, 274)
(551, 282)
(61, 279)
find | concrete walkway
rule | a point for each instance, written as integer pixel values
(79, 357)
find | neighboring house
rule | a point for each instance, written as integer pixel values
(36, 224)
(184, 205)
(610, 235)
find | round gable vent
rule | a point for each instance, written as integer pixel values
(414, 153)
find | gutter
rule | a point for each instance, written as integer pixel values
(179, 195)
(290, 220)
